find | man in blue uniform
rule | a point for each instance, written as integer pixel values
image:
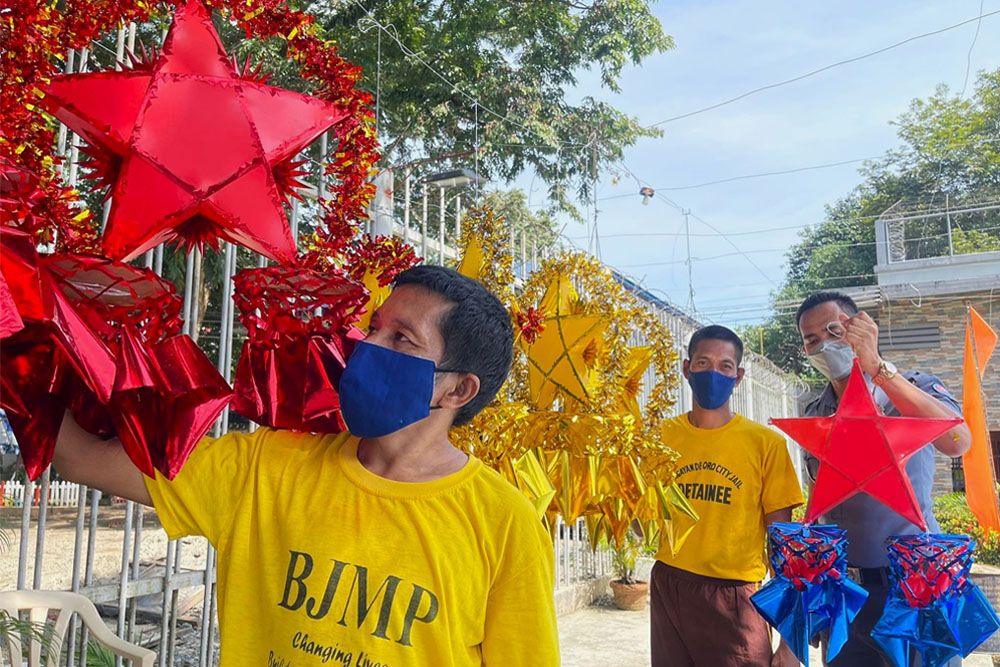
(833, 333)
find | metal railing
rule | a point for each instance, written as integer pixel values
(906, 232)
(576, 558)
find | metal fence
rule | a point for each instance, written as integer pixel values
(576, 559)
(909, 230)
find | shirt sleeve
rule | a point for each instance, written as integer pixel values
(520, 626)
(202, 498)
(931, 384)
(812, 465)
(781, 484)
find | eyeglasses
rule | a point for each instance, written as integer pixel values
(835, 331)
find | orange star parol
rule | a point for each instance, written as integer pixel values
(199, 149)
(859, 449)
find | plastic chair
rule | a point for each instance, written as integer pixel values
(38, 604)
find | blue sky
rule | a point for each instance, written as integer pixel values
(724, 49)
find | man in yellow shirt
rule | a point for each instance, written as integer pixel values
(737, 474)
(383, 546)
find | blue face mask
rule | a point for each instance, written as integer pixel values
(383, 391)
(711, 389)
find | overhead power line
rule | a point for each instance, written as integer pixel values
(821, 69)
(929, 213)
(794, 170)
(859, 244)
(968, 56)
(770, 173)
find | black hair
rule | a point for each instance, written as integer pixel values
(845, 302)
(716, 332)
(477, 331)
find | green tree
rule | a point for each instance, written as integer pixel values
(520, 60)
(950, 154)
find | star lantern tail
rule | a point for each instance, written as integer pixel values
(133, 399)
(980, 479)
(201, 394)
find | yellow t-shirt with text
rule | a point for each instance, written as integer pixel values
(732, 476)
(323, 563)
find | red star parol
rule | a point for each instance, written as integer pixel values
(860, 449)
(194, 149)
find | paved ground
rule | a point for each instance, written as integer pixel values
(599, 636)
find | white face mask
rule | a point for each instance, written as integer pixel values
(833, 359)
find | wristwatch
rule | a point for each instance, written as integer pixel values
(886, 371)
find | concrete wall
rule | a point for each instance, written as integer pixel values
(581, 594)
(945, 359)
(988, 579)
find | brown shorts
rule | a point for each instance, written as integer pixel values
(698, 621)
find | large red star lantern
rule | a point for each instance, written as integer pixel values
(861, 450)
(201, 150)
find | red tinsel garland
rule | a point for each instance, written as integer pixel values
(37, 34)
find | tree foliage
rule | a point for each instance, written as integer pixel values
(519, 60)
(510, 65)
(949, 157)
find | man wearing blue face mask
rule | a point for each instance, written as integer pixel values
(737, 474)
(383, 546)
(834, 332)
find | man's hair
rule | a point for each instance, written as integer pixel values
(477, 331)
(716, 332)
(845, 302)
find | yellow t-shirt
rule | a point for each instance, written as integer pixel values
(323, 563)
(733, 476)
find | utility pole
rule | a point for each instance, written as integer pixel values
(593, 194)
(687, 235)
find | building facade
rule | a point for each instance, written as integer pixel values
(922, 305)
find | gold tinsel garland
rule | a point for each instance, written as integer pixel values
(590, 456)
(601, 294)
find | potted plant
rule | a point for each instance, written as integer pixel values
(629, 593)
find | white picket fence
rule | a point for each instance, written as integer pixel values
(61, 494)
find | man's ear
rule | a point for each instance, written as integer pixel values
(465, 388)
(739, 376)
(687, 369)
